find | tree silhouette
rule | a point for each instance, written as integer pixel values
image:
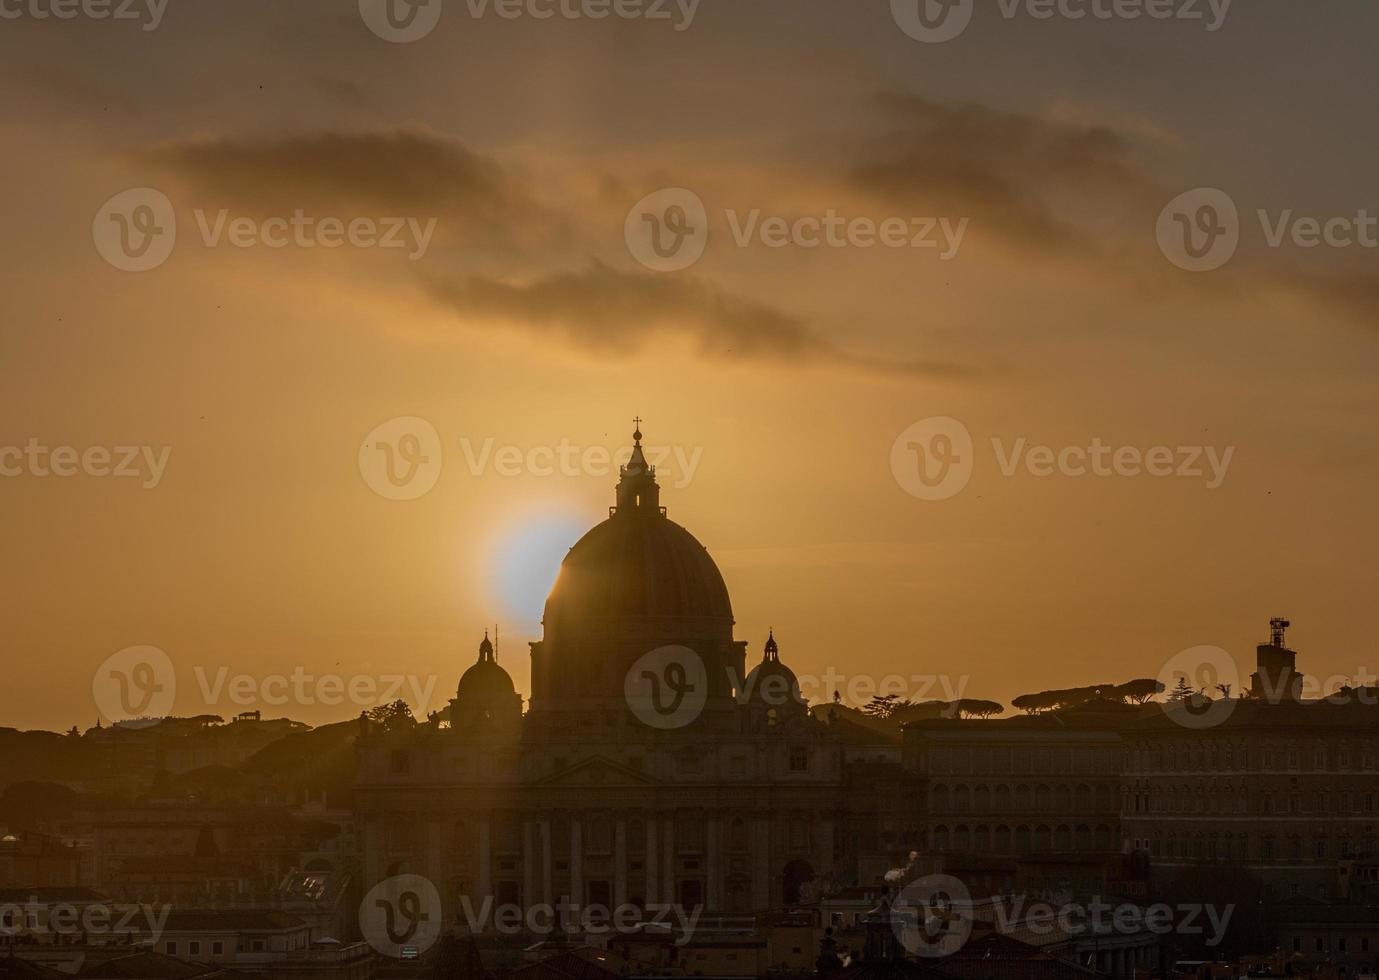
(392, 716)
(883, 706)
(977, 708)
(1139, 691)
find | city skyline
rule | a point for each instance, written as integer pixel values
(503, 286)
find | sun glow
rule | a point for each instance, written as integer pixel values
(526, 560)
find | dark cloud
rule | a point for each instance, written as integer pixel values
(610, 311)
(1027, 178)
(403, 172)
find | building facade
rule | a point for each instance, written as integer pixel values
(649, 767)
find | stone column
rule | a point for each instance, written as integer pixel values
(546, 860)
(761, 864)
(620, 861)
(577, 861)
(668, 868)
(485, 859)
(528, 863)
(431, 831)
(713, 897)
(653, 880)
(373, 852)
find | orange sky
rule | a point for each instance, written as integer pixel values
(787, 372)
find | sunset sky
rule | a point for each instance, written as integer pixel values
(787, 373)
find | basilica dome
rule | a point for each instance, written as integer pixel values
(634, 586)
(637, 567)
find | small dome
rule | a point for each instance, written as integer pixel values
(771, 682)
(484, 682)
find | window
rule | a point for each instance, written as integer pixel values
(799, 759)
(170, 947)
(193, 948)
(400, 761)
(217, 948)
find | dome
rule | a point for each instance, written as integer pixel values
(637, 567)
(771, 681)
(635, 585)
(485, 682)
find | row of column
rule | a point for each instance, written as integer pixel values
(660, 871)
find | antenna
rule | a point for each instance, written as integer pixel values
(1278, 626)
(495, 641)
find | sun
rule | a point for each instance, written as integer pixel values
(526, 560)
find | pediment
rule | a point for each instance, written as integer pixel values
(597, 770)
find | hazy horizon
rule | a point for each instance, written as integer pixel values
(1041, 156)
